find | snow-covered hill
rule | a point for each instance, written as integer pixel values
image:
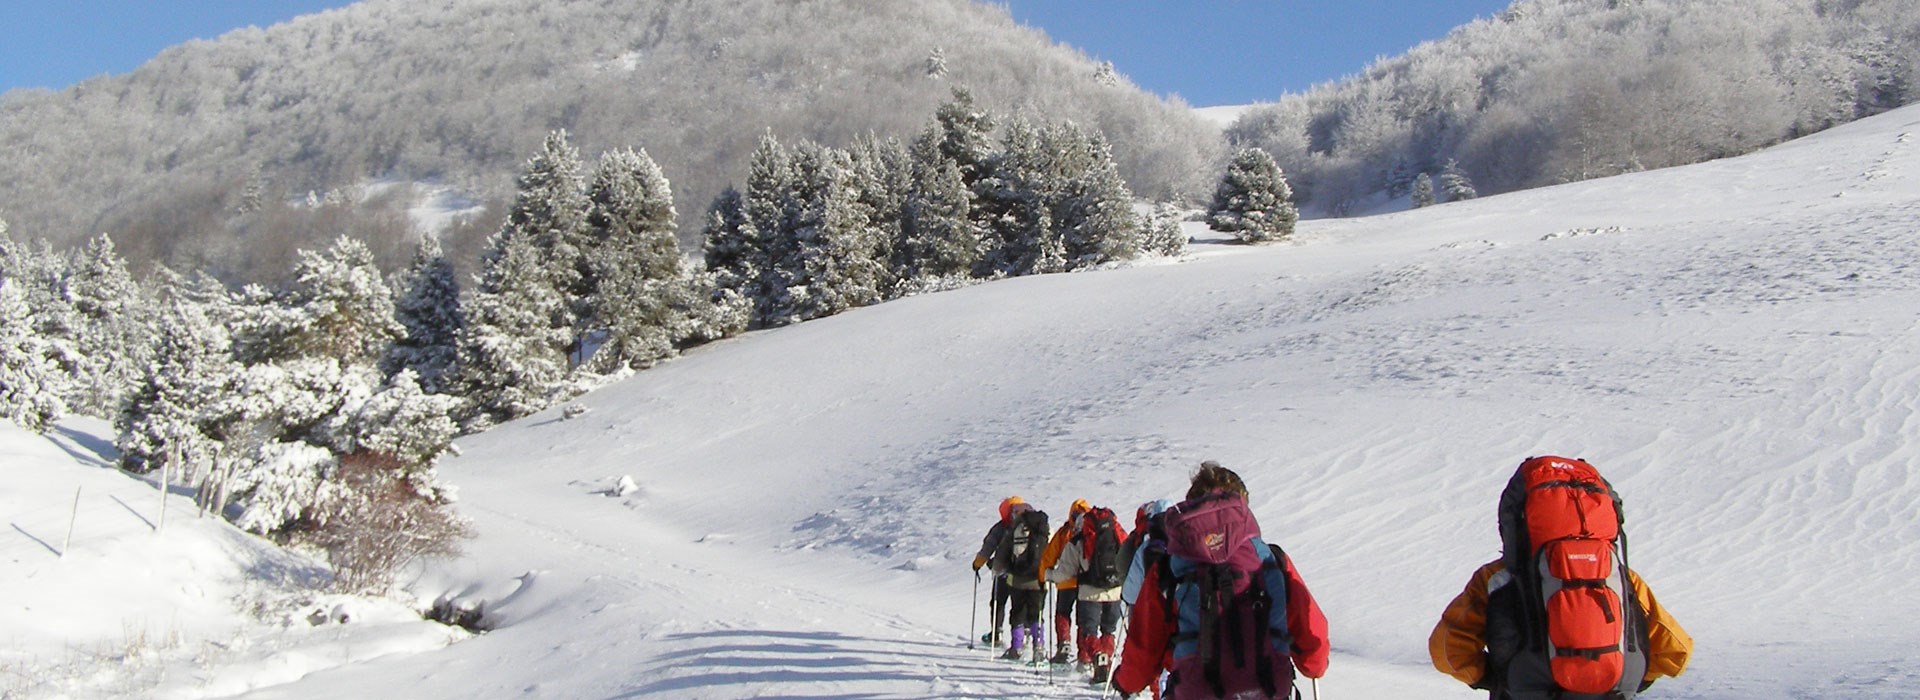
(1735, 344)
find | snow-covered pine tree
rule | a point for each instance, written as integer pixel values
(429, 310)
(1422, 191)
(1021, 238)
(1163, 235)
(1455, 183)
(766, 216)
(637, 263)
(28, 387)
(727, 252)
(838, 252)
(550, 210)
(112, 319)
(966, 136)
(1252, 200)
(166, 414)
(883, 176)
(342, 306)
(1092, 207)
(513, 358)
(938, 238)
(404, 422)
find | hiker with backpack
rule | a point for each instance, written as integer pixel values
(988, 545)
(1067, 592)
(1225, 613)
(1017, 557)
(1092, 558)
(1145, 547)
(1559, 615)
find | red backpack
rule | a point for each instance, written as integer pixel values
(1560, 524)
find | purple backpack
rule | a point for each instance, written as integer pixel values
(1229, 603)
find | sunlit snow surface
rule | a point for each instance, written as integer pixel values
(1735, 344)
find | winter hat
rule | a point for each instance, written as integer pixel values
(1006, 507)
(1080, 505)
(1158, 507)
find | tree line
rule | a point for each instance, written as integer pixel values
(294, 409)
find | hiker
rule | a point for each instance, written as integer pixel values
(1066, 592)
(1225, 613)
(1092, 557)
(1145, 547)
(1494, 636)
(1017, 558)
(988, 545)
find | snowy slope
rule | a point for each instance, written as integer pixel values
(1735, 344)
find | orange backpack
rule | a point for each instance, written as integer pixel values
(1560, 524)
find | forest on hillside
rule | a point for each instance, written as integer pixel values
(1553, 91)
(229, 155)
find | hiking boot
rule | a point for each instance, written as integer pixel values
(1012, 654)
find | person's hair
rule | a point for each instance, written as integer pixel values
(1213, 477)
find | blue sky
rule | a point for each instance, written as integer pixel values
(1208, 51)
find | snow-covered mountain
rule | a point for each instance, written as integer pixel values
(1735, 345)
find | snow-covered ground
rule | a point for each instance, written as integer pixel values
(1735, 344)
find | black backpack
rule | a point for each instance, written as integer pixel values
(1104, 568)
(1026, 539)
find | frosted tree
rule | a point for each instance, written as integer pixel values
(1022, 238)
(549, 210)
(341, 306)
(1422, 191)
(513, 358)
(770, 208)
(1094, 209)
(882, 173)
(937, 63)
(839, 253)
(165, 419)
(404, 422)
(429, 310)
(965, 134)
(1252, 200)
(112, 327)
(641, 297)
(938, 238)
(1454, 182)
(1163, 235)
(28, 389)
(727, 251)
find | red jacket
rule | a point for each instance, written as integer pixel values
(1150, 636)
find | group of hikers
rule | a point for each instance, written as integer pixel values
(1212, 610)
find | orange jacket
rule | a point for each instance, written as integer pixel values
(1051, 555)
(1459, 645)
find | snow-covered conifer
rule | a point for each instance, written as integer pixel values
(938, 237)
(512, 356)
(1455, 183)
(1422, 191)
(429, 309)
(1252, 200)
(112, 327)
(839, 253)
(1163, 234)
(727, 252)
(404, 422)
(166, 414)
(1093, 208)
(641, 301)
(344, 308)
(28, 388)
(550, 211)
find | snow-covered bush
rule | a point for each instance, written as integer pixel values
(380, 517)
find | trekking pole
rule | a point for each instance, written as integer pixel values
(1316, 688)
(973, 618)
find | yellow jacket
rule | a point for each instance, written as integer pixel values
(1459, 645)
